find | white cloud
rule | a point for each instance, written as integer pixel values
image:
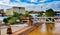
(54, 5)
(37, 7)
(4, 5)
(4, 1)
(18, 3)
(33, 0)
(43, 0)
(8, 3)
(34, 7)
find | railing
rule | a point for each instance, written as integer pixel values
(27, 30)
(43, 19)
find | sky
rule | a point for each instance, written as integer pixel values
(31, 5)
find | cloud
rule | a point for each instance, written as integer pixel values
(33, 0)
(9, 4)
(34, 7)
(4, 1)
(43, 0)
(55, 5)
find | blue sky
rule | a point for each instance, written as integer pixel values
(36, 5)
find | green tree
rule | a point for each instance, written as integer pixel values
(40, 14)
(27, 13)
(50, 13)
(31, 12)
(9, 17)
(5, 20)
(15, 14)
(13, 20)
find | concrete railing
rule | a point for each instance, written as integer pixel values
(26, 30)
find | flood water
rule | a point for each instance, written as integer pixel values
(42, 30)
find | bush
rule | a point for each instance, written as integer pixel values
(5, 20)
(13, 20)
(16, 14)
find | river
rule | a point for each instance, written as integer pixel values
(42, 30)
(1, 18)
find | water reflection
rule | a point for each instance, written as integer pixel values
(49, 33)
(50, 26)
(49, 30)
(36, 32)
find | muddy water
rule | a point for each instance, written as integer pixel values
(43, 30)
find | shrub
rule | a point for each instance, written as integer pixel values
(5, 20)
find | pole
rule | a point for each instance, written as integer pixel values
(0, 29)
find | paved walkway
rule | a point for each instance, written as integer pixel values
(14, 28)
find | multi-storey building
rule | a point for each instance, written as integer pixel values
(15, 9)
(19, 9)
(9, 12)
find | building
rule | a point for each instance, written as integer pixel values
(15, 9)
(2, 12)
(19, 9)
(9, 12)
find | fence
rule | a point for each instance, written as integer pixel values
(43, 19)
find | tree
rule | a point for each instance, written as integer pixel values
(50, 13)
(40, 14)
(31, 12)
(27, 13)
(16, 14)
(13, 20)
(21, 14)
(9, 17)
(5, 20)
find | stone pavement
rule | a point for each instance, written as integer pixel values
(14, 28)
